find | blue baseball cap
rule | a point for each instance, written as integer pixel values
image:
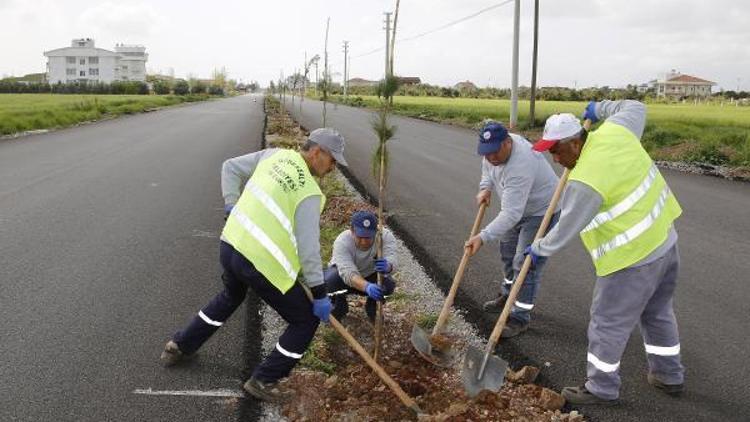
(365, 223)
(491, 138)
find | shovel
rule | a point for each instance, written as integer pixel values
(430, 347)
(379, 371)
(485, 371)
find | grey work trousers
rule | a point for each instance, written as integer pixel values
(635, 295)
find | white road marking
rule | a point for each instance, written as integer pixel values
(193, 393)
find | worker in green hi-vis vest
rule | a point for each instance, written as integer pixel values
(273, 205)
(624, 211)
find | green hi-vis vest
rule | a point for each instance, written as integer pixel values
(638, 208)
(261, 224)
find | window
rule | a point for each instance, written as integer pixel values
(70, 71)
(94, 60)
(82, 60)
(81, 43)
(71, 60)
(93, 71)
(124, 68)
(82, 73)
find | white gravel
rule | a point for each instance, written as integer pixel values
(413, 280)
(704, 169)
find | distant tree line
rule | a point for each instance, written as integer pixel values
(544, 93)
(157, 86)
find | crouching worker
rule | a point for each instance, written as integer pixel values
(354, 265)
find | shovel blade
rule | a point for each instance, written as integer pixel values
(420, 339)
(493, 377)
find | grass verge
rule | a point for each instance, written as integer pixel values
(25, 112)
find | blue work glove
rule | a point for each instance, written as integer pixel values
(227, 210)
(590, 112)
(322, 308)
(382, 266)
(374, 291)
(534, 257)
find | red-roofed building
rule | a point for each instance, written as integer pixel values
(677, 85)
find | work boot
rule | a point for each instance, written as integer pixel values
(171, 354)
(495, 306)
(371, 310)
(580, 395)
(269, 392)
(514, 328)
(671, 389)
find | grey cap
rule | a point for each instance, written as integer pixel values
(331, 141)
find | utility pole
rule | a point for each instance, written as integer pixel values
(326, 75)
(304, 81)
(532, 102)
(346, 56)
(393, 38)
(514, 78)
(387, 44)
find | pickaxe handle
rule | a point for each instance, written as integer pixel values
(379, 371)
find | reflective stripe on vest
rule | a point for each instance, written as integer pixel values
(626, 203)
(635, 231)
(637, 207)
(273, 208)
(265, 241)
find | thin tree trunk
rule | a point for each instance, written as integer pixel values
(379, 239)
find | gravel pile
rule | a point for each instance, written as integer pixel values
(725, 172)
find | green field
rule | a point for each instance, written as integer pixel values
(708, 133)
(22, 112)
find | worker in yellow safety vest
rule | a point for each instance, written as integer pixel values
(271, 233)
(623, 209)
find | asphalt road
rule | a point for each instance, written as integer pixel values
(108, 244)
(433, 179)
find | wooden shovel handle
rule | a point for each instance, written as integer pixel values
(495, 336)
(387, 380)
(443, 317)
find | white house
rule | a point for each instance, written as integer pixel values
(83, 62)
(676, 85)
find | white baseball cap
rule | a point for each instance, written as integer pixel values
(558, 126)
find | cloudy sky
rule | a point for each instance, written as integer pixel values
(582, 42)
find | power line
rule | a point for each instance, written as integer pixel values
(457, 21)
(440, 28)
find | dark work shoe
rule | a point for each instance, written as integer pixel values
(371, 310)
(495, 306)
(671, 389)
(514, 328)
(580, 395)
(269, 392)
(171, 354)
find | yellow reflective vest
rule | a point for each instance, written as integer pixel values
(261, 224)
(638, 207)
